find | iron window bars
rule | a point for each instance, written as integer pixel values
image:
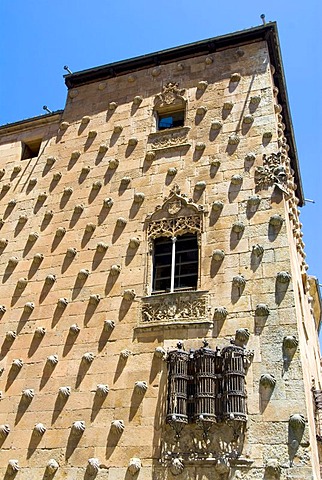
(206, 385)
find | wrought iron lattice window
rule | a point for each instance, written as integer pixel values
(207, 385)
(317, 395)
(175, 263)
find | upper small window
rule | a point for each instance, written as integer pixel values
(170, 120)
(30, 149)
(170, 107)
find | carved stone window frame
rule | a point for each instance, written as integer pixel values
(170, 100)
(177, 216)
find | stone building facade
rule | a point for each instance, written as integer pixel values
(157, 319)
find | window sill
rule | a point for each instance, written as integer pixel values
(169, 138)
(170, 310)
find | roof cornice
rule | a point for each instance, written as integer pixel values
(163, 57)
(267, 32)
(32, 122)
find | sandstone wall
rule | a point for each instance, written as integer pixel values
(63, 200)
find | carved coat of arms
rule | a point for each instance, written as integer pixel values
(171, 94)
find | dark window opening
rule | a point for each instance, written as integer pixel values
(30, 149)
(170, 120)
(175, 263)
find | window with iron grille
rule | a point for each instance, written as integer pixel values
(175, 263)
(206, 384)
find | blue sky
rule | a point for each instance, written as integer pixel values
(39, 37)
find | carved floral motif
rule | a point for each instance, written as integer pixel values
(169, 138)
(175, 308)
(271, 173)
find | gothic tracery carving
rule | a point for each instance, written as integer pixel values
(172, 227)
(176, 216)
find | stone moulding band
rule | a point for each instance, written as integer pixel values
(175, 137)
(175, 309)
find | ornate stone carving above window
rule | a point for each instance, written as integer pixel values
(176, 216)
(172, 138)
(175, 309)
(171, 96)
(171, 227)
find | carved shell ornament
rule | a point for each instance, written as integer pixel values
(40, 429)
(28, 393)
(64, 391)
(134, 465)
(160, 352)
(141, 387)
(52, 465)
(93, 465)
(241, 337)
(171, 95)
(290, 342)
(4, 430)
(177, 466)
(297, 421)
(13, 466)
(118, 425)
(267, 380)
(78, 426)
(102, 389)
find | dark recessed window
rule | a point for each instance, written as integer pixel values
(175, 263)
(170, 120)
(30, 149)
